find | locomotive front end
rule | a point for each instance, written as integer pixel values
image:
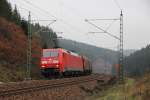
(50, 63)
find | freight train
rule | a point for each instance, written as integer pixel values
(61, 62)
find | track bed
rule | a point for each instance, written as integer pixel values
(22, 89)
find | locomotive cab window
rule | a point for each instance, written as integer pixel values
(50, 54)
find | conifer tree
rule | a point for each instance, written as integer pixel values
(16, 16)
(5, 9)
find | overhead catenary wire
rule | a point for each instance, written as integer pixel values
(110, 25)
(104, 31)
(46, 26)
(38, 20)
(114, 19)
(117, 4)
(103, 19)
(61, 20)
(73, 10)
(27, 9)
(40, 10)
(28, 2)
(37, 9)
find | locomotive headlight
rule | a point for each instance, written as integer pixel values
(57, 65)
(42, 66)
(44, 62)
(55, 61)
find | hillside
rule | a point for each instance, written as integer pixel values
(13, 46)
(139, 62)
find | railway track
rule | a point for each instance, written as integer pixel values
(54, 84)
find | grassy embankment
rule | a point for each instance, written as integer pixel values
(131, 90)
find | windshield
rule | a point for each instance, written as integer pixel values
(50, 53)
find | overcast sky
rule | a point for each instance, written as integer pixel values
(70, 15)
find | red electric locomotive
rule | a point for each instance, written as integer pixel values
(60, 62)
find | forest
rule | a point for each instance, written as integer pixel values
(138, 63)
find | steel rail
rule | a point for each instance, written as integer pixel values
(47, 86)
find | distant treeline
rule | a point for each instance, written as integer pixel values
(138, 63)
(49, 38)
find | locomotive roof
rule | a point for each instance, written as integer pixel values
(73, 53)
(67, 51)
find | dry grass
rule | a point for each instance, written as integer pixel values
(11, 75)
(131, 90)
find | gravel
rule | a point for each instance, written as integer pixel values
(71, 92)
